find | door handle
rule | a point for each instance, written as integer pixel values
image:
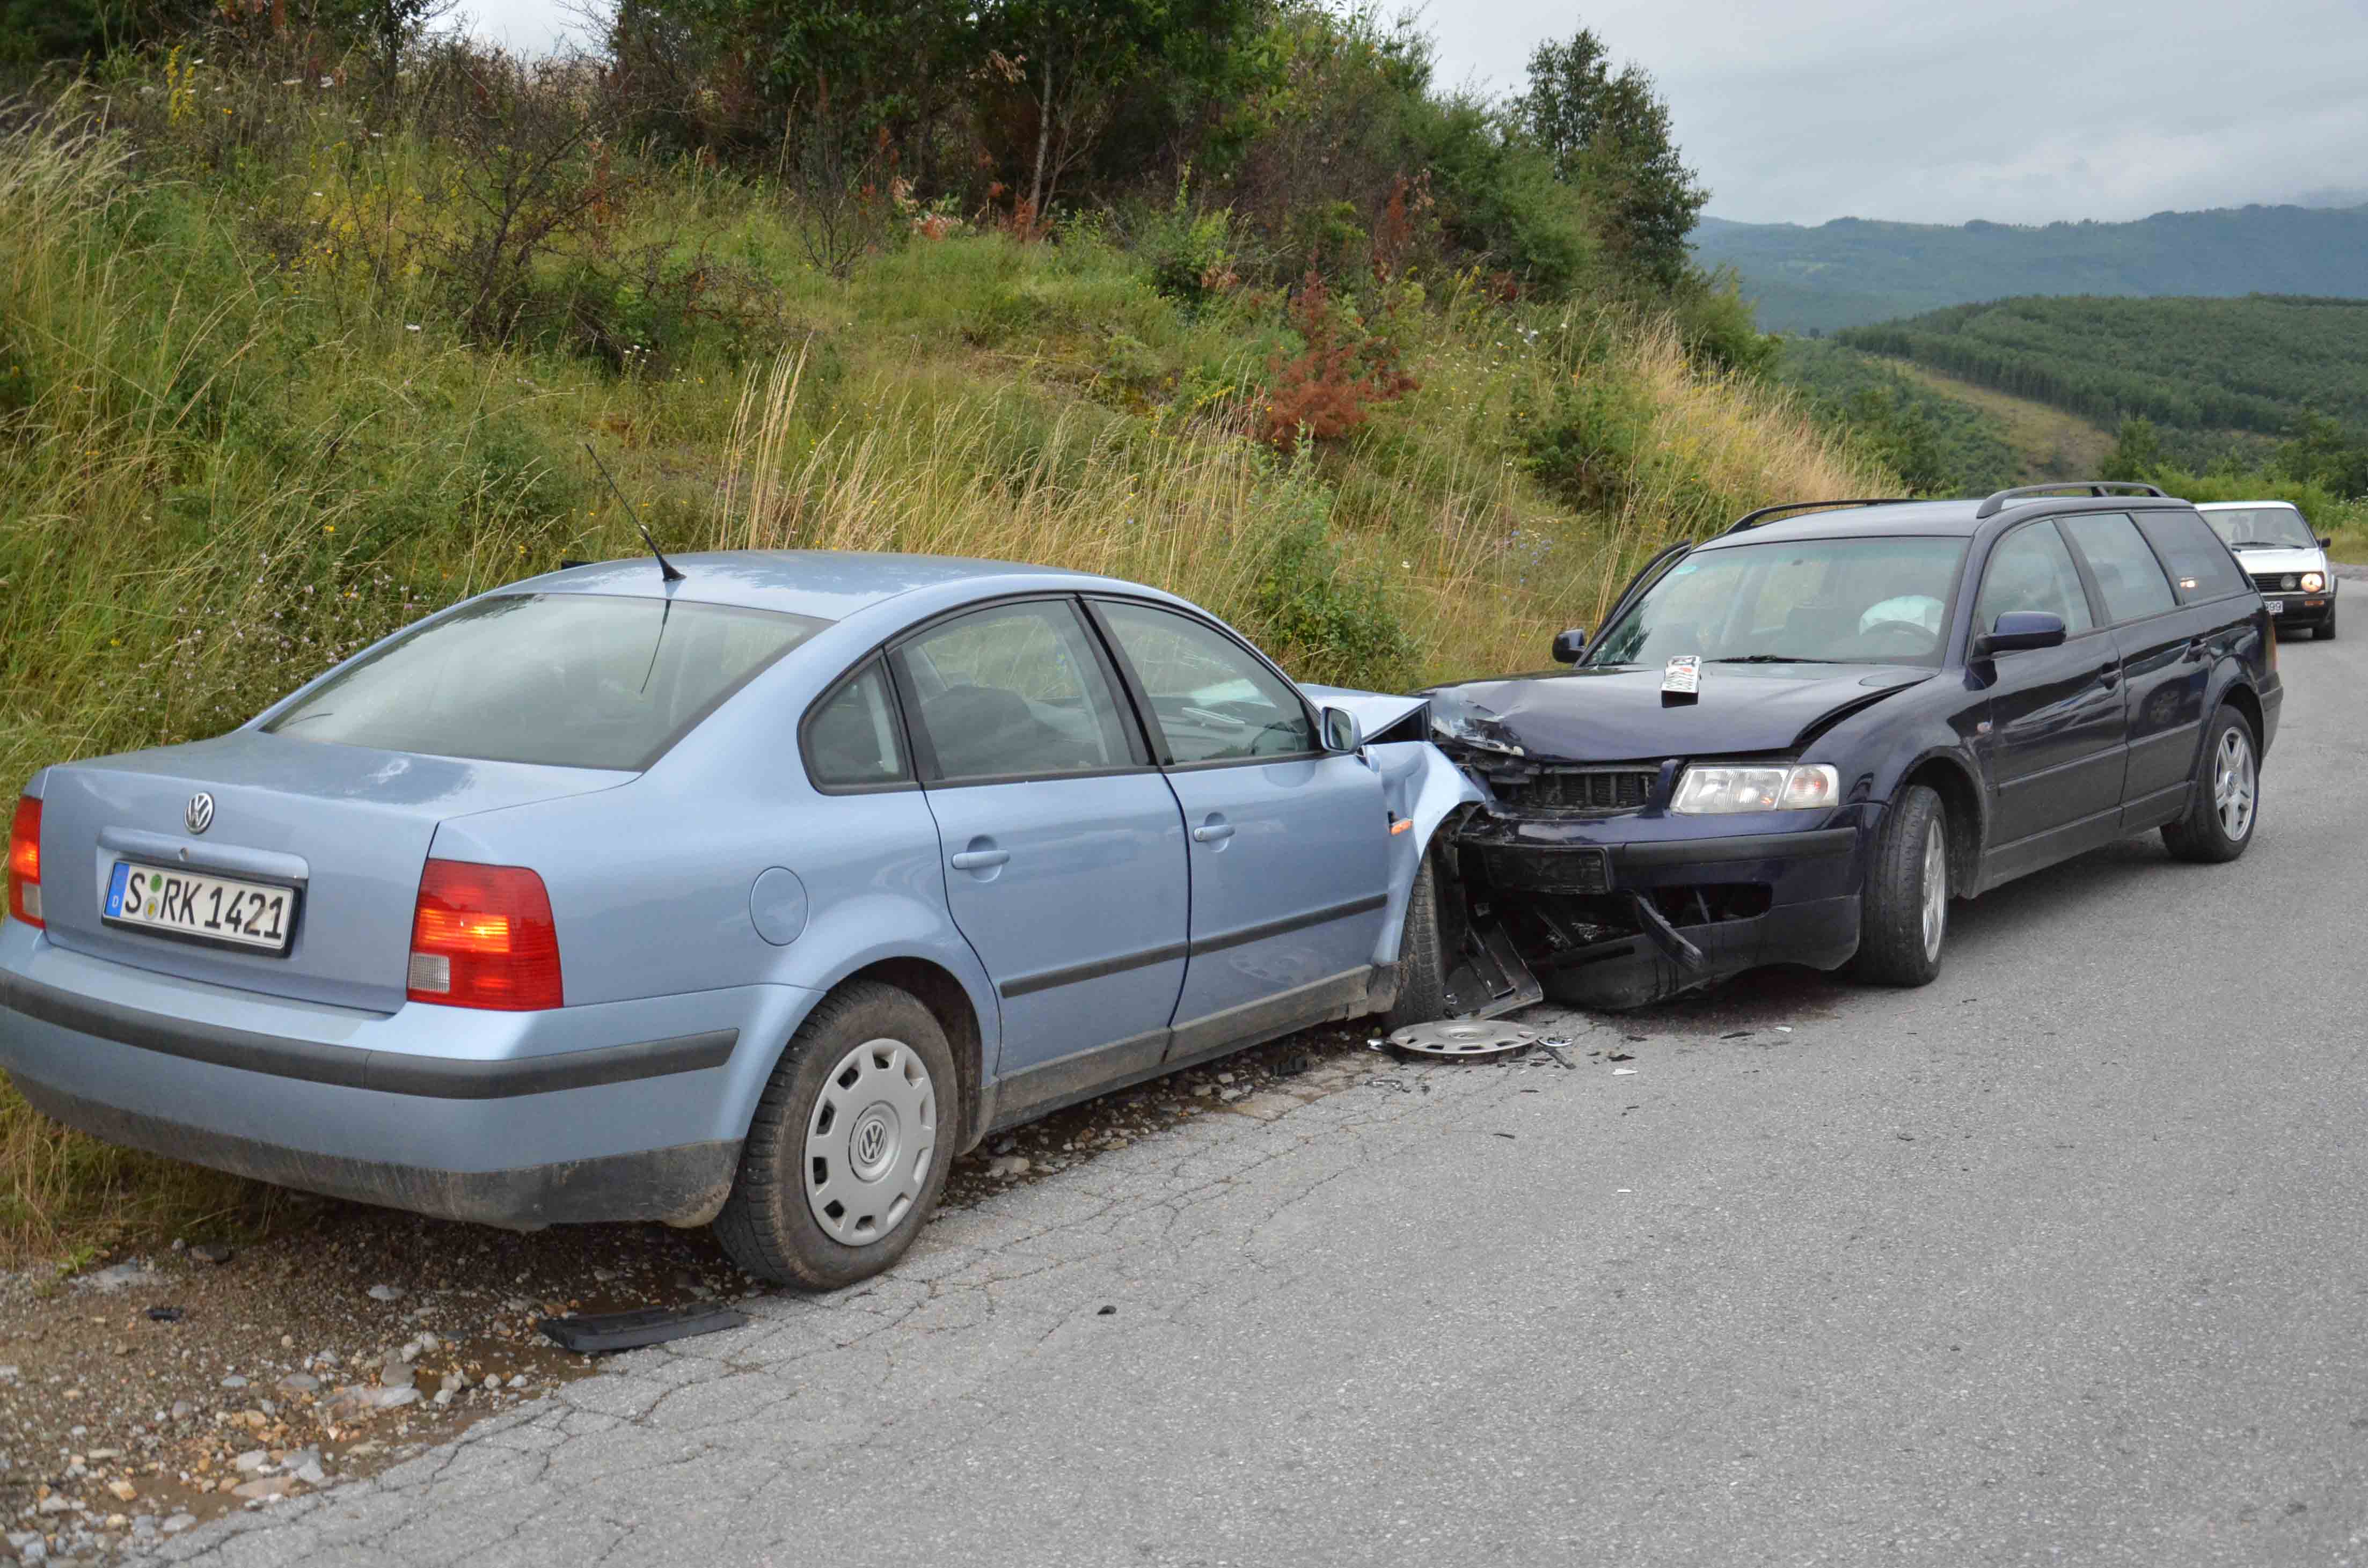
(1216, 830)
(980, 859)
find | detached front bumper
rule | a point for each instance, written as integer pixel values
(1615, 913)
(614, 1112)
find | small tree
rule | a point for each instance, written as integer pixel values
(1608, 133)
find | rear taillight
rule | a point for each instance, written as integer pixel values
(482, 937)
(25, 862)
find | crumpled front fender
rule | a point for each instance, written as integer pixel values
(1424, 788)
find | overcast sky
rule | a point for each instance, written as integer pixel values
(2020, 111)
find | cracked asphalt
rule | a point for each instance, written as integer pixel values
(2060, 1260)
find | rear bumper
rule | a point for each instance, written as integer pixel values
(630, 1110)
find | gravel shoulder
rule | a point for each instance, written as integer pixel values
(159, 1389)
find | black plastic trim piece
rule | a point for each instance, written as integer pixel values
(1072, 974)
(355, 1067)
(1817, 846)
(1287, 925)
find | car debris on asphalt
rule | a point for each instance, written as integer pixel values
(593, 1334)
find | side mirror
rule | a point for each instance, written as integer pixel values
(2020, 629)
(1569, 646)
(2326, 543)
(1341, 731)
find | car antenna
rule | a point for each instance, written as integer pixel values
(666, 568)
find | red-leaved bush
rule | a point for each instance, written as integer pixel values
(1328, 391)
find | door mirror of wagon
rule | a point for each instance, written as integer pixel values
(1341, 731)
(2020, 629)
(1570, 646)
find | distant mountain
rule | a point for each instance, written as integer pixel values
(1854, 270)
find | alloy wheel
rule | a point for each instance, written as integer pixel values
(871, 1142)
(1936, 889)
(2234, 784)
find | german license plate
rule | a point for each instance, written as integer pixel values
(2277, 607)
(198, 907)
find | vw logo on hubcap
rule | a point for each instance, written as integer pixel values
(871, 1143)
(201, 815)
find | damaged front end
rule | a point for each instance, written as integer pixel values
(1576, 877)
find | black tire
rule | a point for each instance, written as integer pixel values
(1895, 944)
(2208, 834)
(1422, 962)
(768, 1225)
(2327, 627)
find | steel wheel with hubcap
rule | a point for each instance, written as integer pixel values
(847, 1151)
(2226, 801)
(871, 1140)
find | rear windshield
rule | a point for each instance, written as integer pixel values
(571, 680)
(2261, 527)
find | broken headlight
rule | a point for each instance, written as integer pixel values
(1712, 788)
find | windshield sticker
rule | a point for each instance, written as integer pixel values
(1683, 675)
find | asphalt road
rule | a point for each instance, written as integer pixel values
(2061, 1260)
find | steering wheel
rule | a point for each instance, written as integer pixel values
(1916, 631)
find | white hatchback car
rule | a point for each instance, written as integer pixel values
(2273, 543)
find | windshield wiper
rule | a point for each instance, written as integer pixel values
(1771, 659)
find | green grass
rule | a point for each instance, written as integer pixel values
(239, 438)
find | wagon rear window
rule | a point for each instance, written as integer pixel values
(571, 680)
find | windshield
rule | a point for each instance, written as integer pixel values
(1868, 600)
(2262, 528)
(573, 680)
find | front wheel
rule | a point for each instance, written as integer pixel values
(2225, 803)
(1904, 913)
(846, 1155)
(1422, 960)
(2327, 627)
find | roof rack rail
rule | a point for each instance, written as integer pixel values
(1753, 519)
(1996, 504)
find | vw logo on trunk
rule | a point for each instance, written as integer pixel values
(201, 815)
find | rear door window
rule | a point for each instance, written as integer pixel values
(1013, 692)
(2201, 567)
(571, 680)
(2127, 575)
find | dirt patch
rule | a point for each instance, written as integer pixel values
(142, 1396)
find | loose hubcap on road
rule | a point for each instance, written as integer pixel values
(1936, 889)
(870, 1145)
(2232, 785)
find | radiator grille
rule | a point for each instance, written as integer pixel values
(1603, 790)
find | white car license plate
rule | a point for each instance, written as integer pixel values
(206, 909)
(2277, 607)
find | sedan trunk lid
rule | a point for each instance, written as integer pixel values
(347, 826)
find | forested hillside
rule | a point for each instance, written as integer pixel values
(2257, 365)
(1853, 271)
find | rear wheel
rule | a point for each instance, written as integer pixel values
(2225, 803)
(1903, 912)
(848, 1152)
(1422, 962)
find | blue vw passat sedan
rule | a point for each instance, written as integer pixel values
(749, 898)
